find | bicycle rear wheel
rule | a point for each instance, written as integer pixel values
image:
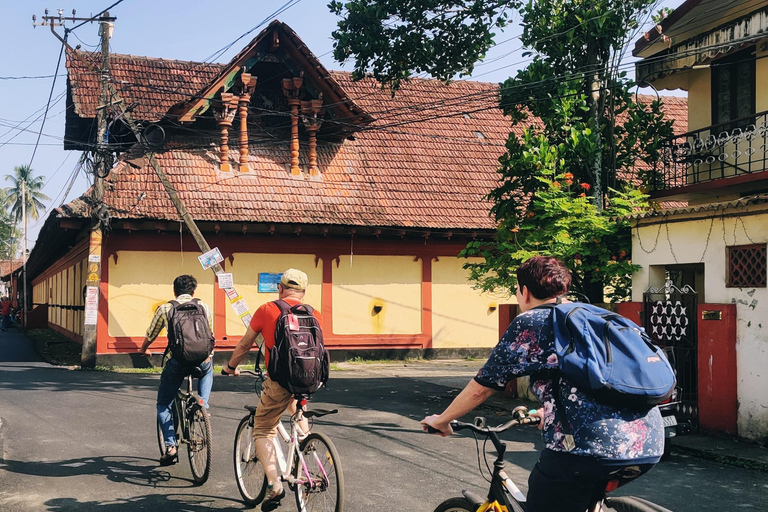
(456, 505)
(199, 445)
(325, 489)
(249, 475)
(631, 504)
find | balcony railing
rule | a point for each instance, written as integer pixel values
(736, 148)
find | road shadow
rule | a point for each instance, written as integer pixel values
(139, 471)
(164, 502)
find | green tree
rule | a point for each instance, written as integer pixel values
(34, 196)
(590, 127)
(9, 239)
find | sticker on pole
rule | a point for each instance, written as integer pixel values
(210, 258)
(226, 281)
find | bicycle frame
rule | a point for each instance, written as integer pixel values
(285, 461)
(180, 404)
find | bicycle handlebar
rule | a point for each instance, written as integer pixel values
(521, 416)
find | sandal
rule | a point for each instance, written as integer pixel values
(272, 499)
(171, 456)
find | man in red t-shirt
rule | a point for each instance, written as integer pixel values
(5, 310)
(275, 399)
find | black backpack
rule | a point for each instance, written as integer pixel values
(190, 340)
(298, 361)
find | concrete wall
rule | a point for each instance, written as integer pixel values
(462, 316)
(246, 268)
(705, 240)
(139, 282)
(377, 295)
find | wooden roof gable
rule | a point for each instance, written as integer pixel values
(278, 43)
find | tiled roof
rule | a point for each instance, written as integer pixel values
(8, 266)
(153, 85)
(427, 160)
(706, 207)
(428, 174)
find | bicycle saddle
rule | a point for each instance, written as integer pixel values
(196, 373)
(317, 413)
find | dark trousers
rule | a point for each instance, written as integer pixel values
(562, 482)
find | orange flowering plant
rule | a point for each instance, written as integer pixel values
(563, 222)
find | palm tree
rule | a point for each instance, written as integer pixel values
(35, 198)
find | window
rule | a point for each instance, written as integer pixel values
(733, 90)
(747, 266)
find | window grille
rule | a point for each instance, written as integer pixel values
(747, 266)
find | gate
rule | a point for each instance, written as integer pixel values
(669, 317)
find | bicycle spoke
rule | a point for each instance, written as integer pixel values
(320, 463)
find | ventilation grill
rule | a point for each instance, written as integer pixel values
(747, 266)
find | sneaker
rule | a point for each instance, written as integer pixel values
(170, 457)
(272, 498)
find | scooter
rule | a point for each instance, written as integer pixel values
(669, 414)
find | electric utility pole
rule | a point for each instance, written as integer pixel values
(102, 162)
(24, 248)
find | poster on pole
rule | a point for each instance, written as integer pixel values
(225, 280)
(210, 258)
(91, 305)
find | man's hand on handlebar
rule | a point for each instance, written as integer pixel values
(234, 372)
(435, 422)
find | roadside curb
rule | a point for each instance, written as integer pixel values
(720, 458)
(2, 451)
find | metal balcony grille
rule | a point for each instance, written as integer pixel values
(747, 266)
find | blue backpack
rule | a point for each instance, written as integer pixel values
(610, 358)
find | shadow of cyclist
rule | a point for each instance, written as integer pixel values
(132, 470)
(165, 502)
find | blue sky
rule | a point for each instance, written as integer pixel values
(171, 29)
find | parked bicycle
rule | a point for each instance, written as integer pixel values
(310, 465)
(503, 494)
(192, 428)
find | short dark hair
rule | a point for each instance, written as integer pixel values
(184, 284)
(545, 277)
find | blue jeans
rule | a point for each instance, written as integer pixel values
(6, 321)
(170, 381)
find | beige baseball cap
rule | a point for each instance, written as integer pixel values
(294, 278)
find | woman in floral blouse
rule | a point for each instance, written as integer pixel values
(588, 446)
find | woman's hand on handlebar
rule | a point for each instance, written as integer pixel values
(540, 414)
(436, 423)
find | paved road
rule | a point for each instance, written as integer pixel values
(84, 441)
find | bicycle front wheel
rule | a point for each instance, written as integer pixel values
(320, 481)
(456, 505)
(249, 475)
(199, 445)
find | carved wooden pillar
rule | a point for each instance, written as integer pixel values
(291, 87)
(312, 115)
(247, 83)
(224, 117)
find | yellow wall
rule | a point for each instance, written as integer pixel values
(140, 281)
(246, 268)
(700, 99)
(461, 316)
(62, 289)
(761, 76)
(392, 283)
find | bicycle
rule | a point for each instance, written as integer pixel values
(311, 468)
(503, 494)
(192, 428)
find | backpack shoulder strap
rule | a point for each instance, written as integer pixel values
(282, 305)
